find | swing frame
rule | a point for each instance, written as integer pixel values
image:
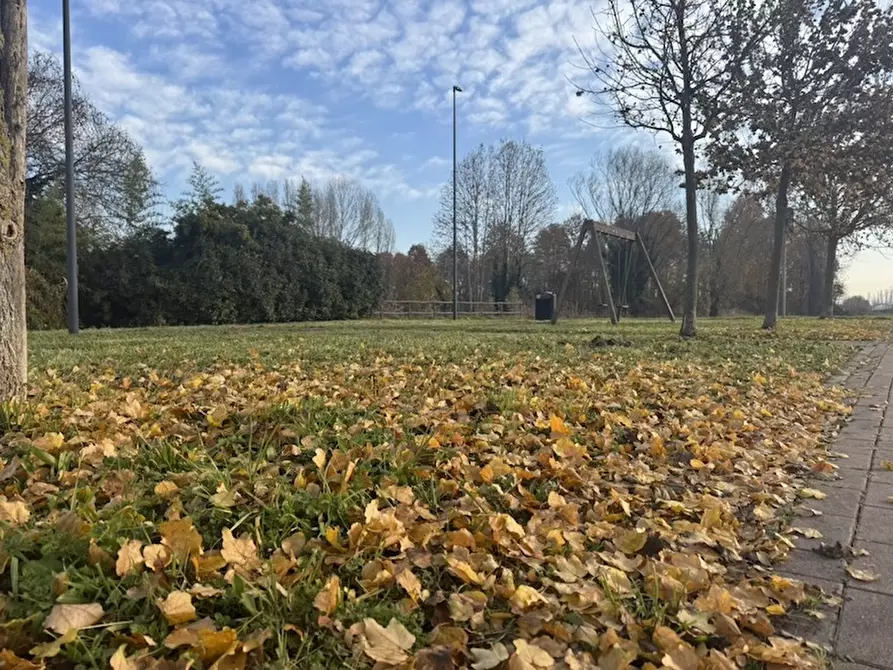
(596, 229)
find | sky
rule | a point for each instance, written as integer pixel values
(273, 89)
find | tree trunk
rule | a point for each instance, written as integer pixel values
(690, 307)
(828, 289)
(14, 89)
(781, 218)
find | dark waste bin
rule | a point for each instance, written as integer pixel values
(544, 307)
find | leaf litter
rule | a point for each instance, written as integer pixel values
(513, 510)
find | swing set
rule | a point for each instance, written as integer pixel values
(632, 239)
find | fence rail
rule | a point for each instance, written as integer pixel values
(428, 309)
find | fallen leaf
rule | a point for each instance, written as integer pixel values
(239, 551)
(14, 512)
(214, 644)
(63, 618)
(166, 489)
(329, 597)
(157, 557)
(525, 597)
(130, 558)
(386, 645)
(812, 493)
(529, 657)
(177, 608)
(811, 533)
(182, 538)
(411, 584)
(119, 660)
(887, 465)
(54, 648)
(486, 659)
(862, 575)
(224, 498)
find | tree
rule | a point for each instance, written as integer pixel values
(807, 81)
(13, 124)
(103, 152)
(504, 195)
(856, 305)
(346, 211)
(671, 62)
(847, 194)
(139, 197)
(204, 189)
(305, 205)
(624, 184)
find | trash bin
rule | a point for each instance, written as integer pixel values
(544, 307)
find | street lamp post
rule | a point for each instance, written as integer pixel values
(73, 320)
(456, 89)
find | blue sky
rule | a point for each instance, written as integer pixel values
(269, 89)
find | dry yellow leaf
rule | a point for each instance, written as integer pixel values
(214, 644)
(776, 610)
(50, 442)
(294, 544)
(177, 608)
(166, 489)
(862, 575)
(558, 426)
(157, 557)
(63, 618)
(386, 645)
(182, 538)
(464, 571)
(224, 498)
(632, 541)
(525, 598)
(319, 459)
(486, 659)
(812, 493)
(119, 660)
(130, 558)
(887, 465)
(14, 512)
(529, 656)
(329, 597)
(239, 551)
(54, 648)
(411, 584)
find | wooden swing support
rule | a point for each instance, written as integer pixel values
(596, 229)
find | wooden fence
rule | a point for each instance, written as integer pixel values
(434, 309)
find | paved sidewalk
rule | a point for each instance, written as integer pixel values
(858, 513)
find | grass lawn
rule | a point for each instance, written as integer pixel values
(434, 495)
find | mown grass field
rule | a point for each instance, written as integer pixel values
(423, 494)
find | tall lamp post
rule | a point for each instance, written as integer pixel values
(456, 89)
(73, 321)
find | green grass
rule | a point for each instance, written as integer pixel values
(498, 381)
(806, 343)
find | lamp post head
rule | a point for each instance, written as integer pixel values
(580, 92)
(457, 89)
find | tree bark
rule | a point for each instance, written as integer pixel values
(14, 90)
(828, 288)
(781, 218)
(690, 306)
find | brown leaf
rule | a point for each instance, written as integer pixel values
(812, 493)
(166, 489)
(411, 584)
(63, 618)
(214, 644)
(119, 660)
(177, 608)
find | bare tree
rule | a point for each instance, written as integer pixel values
(13, 125)
(347, 211)
(504, 196)
(475, 209)
(103, 152)
(625, 184)
(668, 65)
